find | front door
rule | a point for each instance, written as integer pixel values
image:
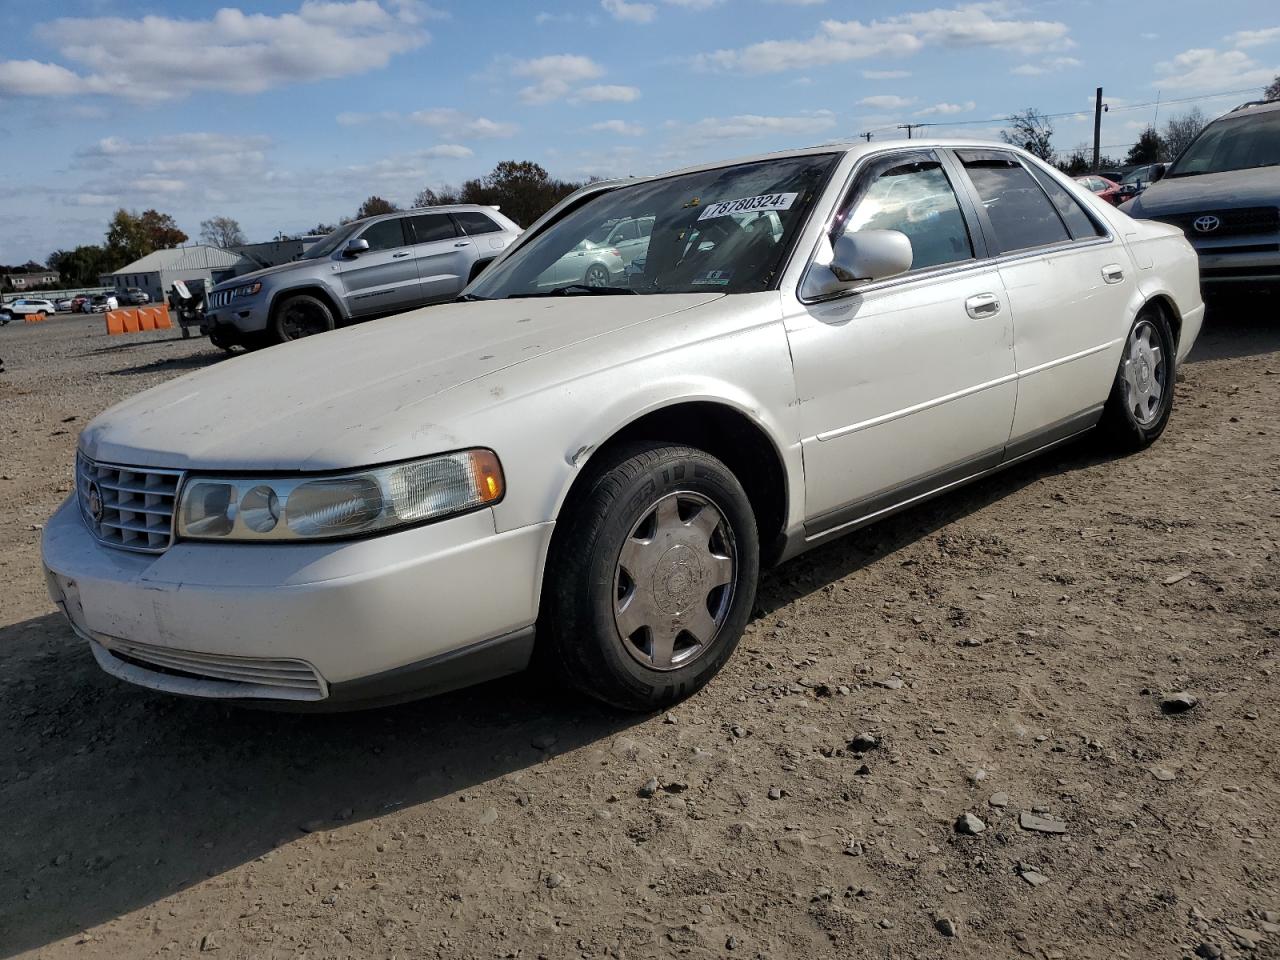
(384, 278)
(907, 384)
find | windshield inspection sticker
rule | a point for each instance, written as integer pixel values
(767, 201)
(712, 278)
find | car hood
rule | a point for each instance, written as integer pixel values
(1258, 187)
(289, 267)
(366, 394)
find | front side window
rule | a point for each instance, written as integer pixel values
(385, 235)
(1020, 213)
(624, 232)
(914, 198)
(1233, 143)
(474, 222)
(725, 230)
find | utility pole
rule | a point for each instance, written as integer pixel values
(909, 127)
(1097, 130)
(866, 136)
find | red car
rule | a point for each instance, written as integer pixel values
(1108, 190)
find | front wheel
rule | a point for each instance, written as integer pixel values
(597, 275)
(1141, 399)
(651, 577)
(300, 316)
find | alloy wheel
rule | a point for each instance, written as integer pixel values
(1144, 373)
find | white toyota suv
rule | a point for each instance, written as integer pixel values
(815, 339)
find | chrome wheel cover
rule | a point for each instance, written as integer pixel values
(1144, 373)
(673, 583)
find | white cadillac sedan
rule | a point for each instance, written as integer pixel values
(810, 341)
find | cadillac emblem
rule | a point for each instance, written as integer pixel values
(93, 501)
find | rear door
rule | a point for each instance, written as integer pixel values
(384, 278)
(1069, 283)
(443, 256)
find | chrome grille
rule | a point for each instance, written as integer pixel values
(127, 507)
(219, 298)
(277, 678)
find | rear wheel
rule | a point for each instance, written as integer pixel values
(1141, 398)
(651, 577)
(301, 316)
(597, 275)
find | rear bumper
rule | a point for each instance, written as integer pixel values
(326, 625)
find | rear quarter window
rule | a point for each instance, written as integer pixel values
(1021, 215)
(473, 222)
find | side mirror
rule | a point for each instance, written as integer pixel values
(857, 258)
(1158, 171)
(355, 247)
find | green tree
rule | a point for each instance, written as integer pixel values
(1273, 91)
(522, 189)
(1148, 149)
(1181, 130)
(1077, 163)
(436, 198)
(131, 236)
(222, 232)
(1032, 131)
(374, 206)
(82, 266)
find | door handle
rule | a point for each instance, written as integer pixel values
(982, 305)
(397, 256)
(463, 243)
(1113, 273)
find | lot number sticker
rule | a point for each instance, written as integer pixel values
(767, 201)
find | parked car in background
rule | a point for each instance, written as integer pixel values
(78, 302)
(135, 296)
(1138, 179)
(26, 307)
(614, 472)
(586, 264)
(101, 303)
(1103, 188)
(369, 268)
(1223, 192)
(63, 305)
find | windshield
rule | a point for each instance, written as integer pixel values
(1237, 143)
(725, 230)
(329, 243)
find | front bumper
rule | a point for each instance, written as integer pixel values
(331, 625)
(247, 316)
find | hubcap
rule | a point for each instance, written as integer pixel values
(597, 276)
(1144, 373)
(673, 585)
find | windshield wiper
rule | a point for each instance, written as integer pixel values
(573, 288)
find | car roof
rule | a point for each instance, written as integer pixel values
(414, 211)
(1255, 106)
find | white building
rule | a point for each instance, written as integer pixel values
(156, 272)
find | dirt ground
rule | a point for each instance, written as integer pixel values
(1006, 648)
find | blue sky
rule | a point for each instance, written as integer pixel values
(283, 113)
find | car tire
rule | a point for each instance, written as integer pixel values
(597, 275)
(300, 316)
(1141, 399)
(642, 546)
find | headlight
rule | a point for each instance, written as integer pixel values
(341, 505)
(248, 290)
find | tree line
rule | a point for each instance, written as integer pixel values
(1033, 131)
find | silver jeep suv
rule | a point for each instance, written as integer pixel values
(368, 268)
(1224, 192)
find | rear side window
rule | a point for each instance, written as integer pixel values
(431, 226)
(386, 235)
(1081, 225)
(473, 222)
(1018, 209)
(914, 198)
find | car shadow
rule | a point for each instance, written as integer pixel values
(193, 362)
(184, 790)
(1238, 326)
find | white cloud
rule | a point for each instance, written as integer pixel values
(232, 51)
(1048, 65)
(620, 127)
(885, 74)
(1254, 38)
(1207, 69)
(694, 4)
(971, 25)
(554, 76)
(886, 102)
(630, 12)
(606, 93)
(746, 126)
(799, 3)
(446, 121)
(448, 151)
(947, 109)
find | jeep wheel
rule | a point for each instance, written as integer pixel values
(300, 316)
